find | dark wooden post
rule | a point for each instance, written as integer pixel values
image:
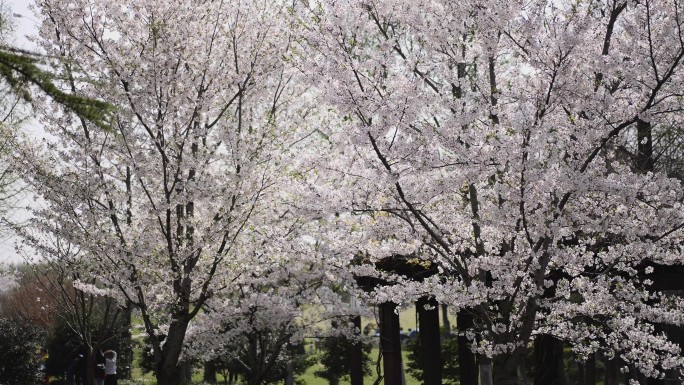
(430, 344)
(356, 356)
(390, 344)
(466, 359)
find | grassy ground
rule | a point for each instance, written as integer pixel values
(310, 379)
(407, 319)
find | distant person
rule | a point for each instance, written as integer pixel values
(110, 367)
(402, 335)
(71, 371)
(99, 368)
(43, 369)
(81, 369)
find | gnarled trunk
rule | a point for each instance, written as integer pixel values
(548, 352)
(169, 369)
(505, 368)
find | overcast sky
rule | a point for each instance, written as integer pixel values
(25, 25)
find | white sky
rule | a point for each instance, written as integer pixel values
(25, 25)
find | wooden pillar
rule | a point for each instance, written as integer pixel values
(548, 352)
(466, 359)
(356, 356)
(390, 343)
(430, 344)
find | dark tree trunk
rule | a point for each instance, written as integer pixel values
(390, 344)
(170, 376)
(589, 375)
(289, 376)
(169, 370)
(90, 369)
(430, 344)
(356, 356)
(644, 160)
(467, 366)
(446, 324)
(125, 359)
(548, 352)
(186, 371)
(209, 375)
(611, 377)
(505, 368)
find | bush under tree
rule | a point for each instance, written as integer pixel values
(19, 358)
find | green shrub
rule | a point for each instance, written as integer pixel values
(19, 357)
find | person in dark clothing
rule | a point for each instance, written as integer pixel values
(71, 371)
(99, 367)
(81, 368)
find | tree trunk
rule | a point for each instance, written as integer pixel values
(125, 358)
(644, 159)
(430, 344)
(289, 375)
(90, 369)
(180, 374)
(446, 324)
(548, 352)
(505, 368)
(169, 370)
(186, 371)
(466, 358)
(170, 376)
(209, 375)
(611, 372)
(356, 356)
(390, 344)
(590, 371)
(485, 367)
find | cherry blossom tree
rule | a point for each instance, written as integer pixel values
(510, 142)
(273, 308)
(165, 210)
